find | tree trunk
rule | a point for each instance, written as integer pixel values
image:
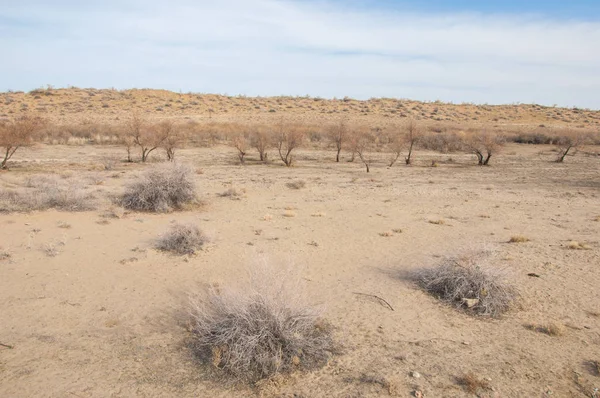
(394, 159)
(407, 159)
(562, 156)
(337, 156)
(479, 158)
(487, 159)
(7, 156)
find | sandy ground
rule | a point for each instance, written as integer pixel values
(102, 318)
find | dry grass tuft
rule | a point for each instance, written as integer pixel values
(289, 214)
(551, 329)
(182, 239)
(4, 254)
(472, 383)
(471, 282)
(260, 330)
(386, 234)
(267, 217)
(298, 184)
(64, 225)
(597, 219)
(319, 214)
(437, 222)
(518, 239)
(44, 192)
(233, 193)
(574, 245)
(397, 230)
(160, 189)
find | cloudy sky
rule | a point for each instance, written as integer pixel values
(545, 52)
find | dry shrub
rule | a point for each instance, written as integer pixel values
(182, 239)
(574, 245)
(48, 192)
(260, 330)
(162, 188)
(518, 239)
(471, 282)
(551, 329)
(298, 184)
(472, 383)
(233, 193)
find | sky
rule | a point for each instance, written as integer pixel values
(494, 52)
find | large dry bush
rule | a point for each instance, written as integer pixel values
(262, 329)
(182, 239)
(44, 192)
(174, 136)
(162, 188)
(17, 133)
(471, 281)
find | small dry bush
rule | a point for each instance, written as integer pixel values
(233, 193)
(162, 188)
(48, 192)
(260, 330)
(471, 282)
(182, 239)
(472, 383)
(518, 239)
(299, 184)
(551, 329)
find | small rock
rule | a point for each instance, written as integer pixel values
(414, 374)
(418, 394)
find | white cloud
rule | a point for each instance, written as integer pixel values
(270, 47)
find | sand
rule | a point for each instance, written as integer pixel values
(103, 316)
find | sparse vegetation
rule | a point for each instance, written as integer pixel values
(472, 383)
(551, 329)
(17, 133)
(161, 188)
(44, 192)
(470, 281)
(518, 239)
(298, 184)
(260, 330)
(182, 239)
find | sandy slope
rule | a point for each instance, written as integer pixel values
(103, 317)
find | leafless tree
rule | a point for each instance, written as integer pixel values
(568, 141)
(287, 138)
(17, 133)
(365, 143)
(260, 140)
(483, 143)
(337, 135)
(395, 143)
(412, 135)
(148, 137)
(239, 140)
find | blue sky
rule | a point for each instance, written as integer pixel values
(545, 52)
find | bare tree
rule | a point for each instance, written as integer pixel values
(412, 135)
(287, 138)
(173, 136)
(483, 144)
(568, 141)
(337, 134)
(396, 143)
(260, 140)
(365, 142)
(239, 140)
(146, 136)
(17, 133)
